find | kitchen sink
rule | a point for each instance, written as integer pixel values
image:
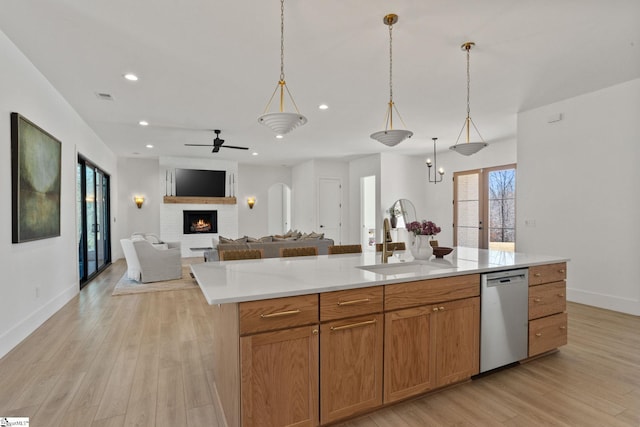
(417, 267)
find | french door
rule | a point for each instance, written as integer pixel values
(93, 234)
(484, 214)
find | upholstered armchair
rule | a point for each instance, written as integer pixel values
(149, 263)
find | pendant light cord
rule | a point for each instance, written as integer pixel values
(282, 40)
(390, 65)
(468, 48)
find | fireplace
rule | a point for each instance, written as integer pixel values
(200, 222)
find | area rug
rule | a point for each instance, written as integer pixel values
(126, 286)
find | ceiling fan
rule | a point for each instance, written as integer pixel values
(217, 143)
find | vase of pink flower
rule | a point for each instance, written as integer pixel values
(422, 231)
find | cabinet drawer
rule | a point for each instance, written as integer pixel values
(349, 303)
(547, 333)
(278, 313)
(421, 292)
(547, 273)
(547, 299)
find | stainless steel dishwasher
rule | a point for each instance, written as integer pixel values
(504, 318)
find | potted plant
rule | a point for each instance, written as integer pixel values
(422, 231)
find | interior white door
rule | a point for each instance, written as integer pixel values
(330, 208)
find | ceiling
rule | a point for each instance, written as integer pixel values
(214, 64)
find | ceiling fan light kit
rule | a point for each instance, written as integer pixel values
(282, 122)
(390, 136)
(468, 148)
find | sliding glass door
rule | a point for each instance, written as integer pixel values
(484, 208)
(94, 250)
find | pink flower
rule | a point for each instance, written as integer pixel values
(425, 227)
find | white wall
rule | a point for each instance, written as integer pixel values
(366, 166)
(578, 180)
(255, 181)
(51, 265)
(137, 177)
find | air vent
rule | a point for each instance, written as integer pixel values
(104, 96)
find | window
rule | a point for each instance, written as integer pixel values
(484, 208)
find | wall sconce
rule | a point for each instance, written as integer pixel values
(251, 201)
(139, 201)
(440, 171)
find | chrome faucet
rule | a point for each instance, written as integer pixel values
(386, 238)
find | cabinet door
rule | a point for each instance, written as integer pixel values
(457, 330)
(350, 366)
(280, 378)
(409, 357)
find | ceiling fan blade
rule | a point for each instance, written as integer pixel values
(236, 147)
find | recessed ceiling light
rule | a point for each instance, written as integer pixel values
(279, 136)
(131, 77)
(323, 106)
(254, 154)
(143, 123)
(149, 146)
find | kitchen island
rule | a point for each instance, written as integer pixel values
(313, 340)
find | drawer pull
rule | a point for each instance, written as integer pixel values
(563, 327)
(441, 308)
(354, 301)
(435, 308)
(353, 325)
(561, 270)
(537, 275)
(537, 299)
(314, 332)
(560, 295)
(279, 314)
(538, 334)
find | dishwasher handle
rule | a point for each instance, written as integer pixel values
(499, 281)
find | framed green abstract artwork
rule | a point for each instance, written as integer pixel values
(35, 181)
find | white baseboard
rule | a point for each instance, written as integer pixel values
(22, 330)
(609, 302)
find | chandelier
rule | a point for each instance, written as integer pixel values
(468, 148)
(390, 136)
(282, 122)
(436, 171)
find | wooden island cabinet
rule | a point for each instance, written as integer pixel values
(315, 359)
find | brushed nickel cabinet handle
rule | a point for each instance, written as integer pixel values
(537, 275)
(279, 314)
(563, 327)
(435, 308)
(561, 270)
(314, 332)
(537, 299)
(441, 308)
(354, 301)
(538, 334)
(353, 325)
(560, 295)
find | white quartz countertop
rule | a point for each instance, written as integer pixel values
(250, 280)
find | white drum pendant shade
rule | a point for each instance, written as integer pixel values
(391, 137)
(282, 123)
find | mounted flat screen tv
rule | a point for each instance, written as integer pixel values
(200, 183)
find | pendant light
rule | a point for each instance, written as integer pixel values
(282, 122)
(468, 148)
(437, 171)
(390, 136)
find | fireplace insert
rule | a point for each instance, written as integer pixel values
(197, 222)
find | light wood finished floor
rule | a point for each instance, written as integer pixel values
(145, 360)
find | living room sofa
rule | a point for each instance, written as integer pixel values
(271, 248)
